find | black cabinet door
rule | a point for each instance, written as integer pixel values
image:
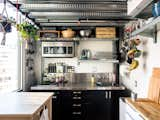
(98, 105)
(56, 106)
(61, 105)
(66, 104)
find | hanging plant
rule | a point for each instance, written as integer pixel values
(5, 23)
(27, 31)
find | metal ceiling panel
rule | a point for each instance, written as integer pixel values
(63, 1)
(75, 7)
(76, 14)
(68, 12)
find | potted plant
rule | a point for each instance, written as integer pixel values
(27, 31)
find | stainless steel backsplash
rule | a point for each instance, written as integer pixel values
(77, 78)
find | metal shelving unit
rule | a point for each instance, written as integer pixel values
(50, 13)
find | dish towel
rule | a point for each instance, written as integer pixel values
(44, 115)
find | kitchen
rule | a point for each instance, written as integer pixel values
(79, 59)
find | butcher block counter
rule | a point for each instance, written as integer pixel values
(148, 109)
(25, 105)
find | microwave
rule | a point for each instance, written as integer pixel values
(58, 49)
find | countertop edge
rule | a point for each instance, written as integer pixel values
(50, 87)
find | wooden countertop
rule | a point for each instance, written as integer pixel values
(22, 103)
(148, 109)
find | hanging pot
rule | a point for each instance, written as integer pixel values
(123, 53)
(137, 53)
(137, 41)
(129, 60)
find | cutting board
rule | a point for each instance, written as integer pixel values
(156, 72)
(154, 86)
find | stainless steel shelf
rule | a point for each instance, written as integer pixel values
(107, 23)
(101, 60)
(149, 29)
(79, 39)
(98, 39)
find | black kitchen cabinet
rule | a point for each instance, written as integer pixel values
(98, 105)
(87, 104)
(61, 105)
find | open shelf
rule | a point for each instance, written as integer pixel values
(101, 60)
(78, 39)
(149, 29)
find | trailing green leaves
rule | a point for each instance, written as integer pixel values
(27, 31)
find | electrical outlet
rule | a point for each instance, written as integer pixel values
(135, 83)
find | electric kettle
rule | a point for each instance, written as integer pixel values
(85, 54)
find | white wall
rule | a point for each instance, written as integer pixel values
(132, 4)
(142, 74)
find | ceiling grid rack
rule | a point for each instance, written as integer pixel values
(45, 12)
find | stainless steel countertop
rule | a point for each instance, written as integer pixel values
(76, 87)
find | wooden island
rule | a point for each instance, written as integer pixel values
(25, 105)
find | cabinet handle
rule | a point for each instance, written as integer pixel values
(77, 92)
(106, 95)
(77, 98)
(54, 97)
(76, 105)
(110, 94)
(76, 113)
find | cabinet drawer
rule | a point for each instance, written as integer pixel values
(77, 113)
(132, 113)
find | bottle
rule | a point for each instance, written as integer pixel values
(92, 80)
